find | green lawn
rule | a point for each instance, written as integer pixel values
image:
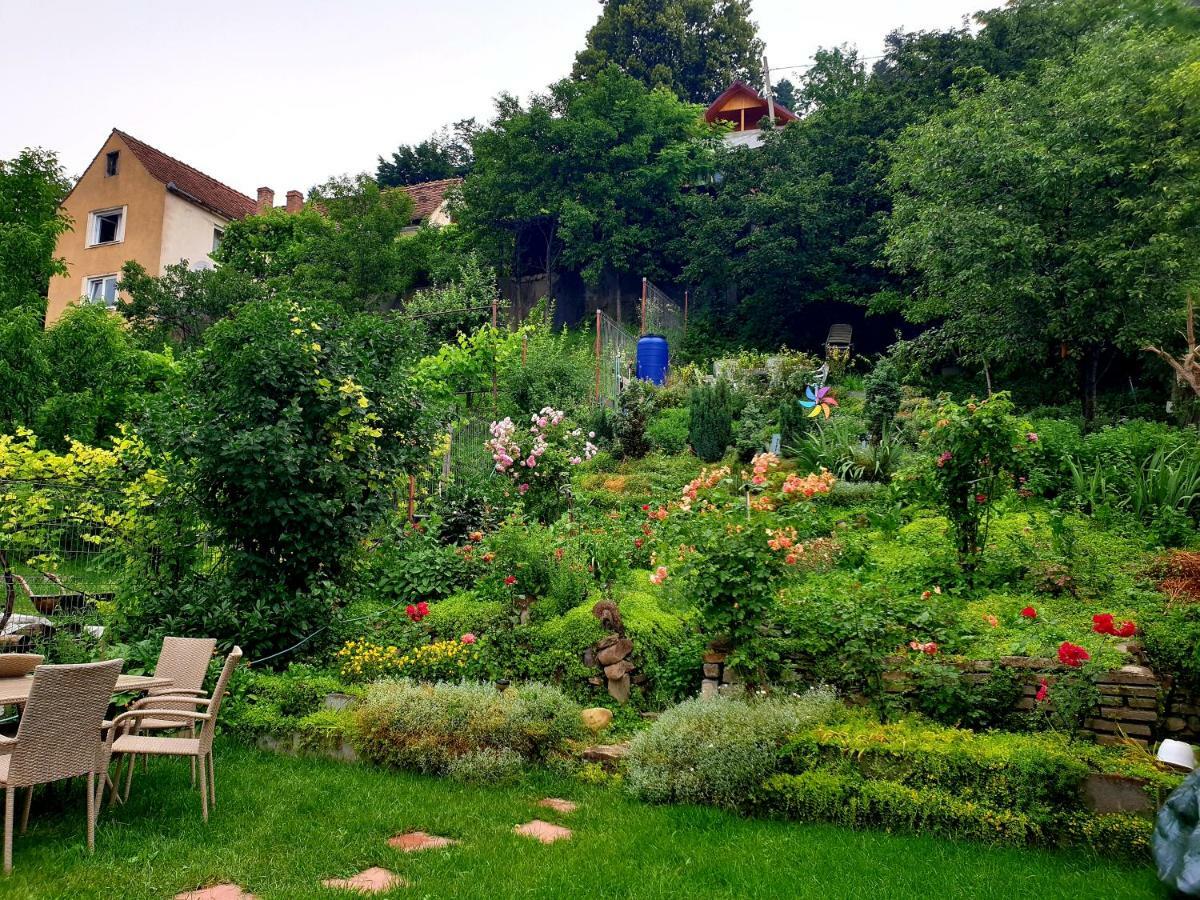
(284, 824)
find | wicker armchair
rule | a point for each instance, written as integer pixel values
(60, 736)
(126, 741)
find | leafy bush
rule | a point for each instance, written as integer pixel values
(428, 728)
(751, 431)
(629, 425)
(289, 425)
(667, 431)
(820, 796)
(719, 751)
(883, 398)
(490, 765)
(977, 444)
(710, 424)
(410, 565)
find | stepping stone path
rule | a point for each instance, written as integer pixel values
(412, 841)
(216, 892)
(545, 832)
(375, 880)
(559, 806)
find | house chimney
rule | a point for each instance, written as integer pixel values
(295, 202)
(266, 200)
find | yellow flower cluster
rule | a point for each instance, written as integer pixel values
(366, 661)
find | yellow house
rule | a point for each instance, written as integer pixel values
(137, 203)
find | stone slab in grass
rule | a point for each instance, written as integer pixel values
(412, 841)
(216, 892)
(546, 832)
(374, 880)
(558, 805)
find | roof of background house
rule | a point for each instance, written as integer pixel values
(740, 87)
(190, 183)
(428, 196)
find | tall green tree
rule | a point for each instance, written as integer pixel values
(446, 154)
(1058, 214)
(341, 247)
(587, 177)
(694, 48)
(32, 185)
(177, 306)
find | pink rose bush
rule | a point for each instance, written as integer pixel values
(538, 459)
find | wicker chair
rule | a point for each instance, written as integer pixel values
(60, 736)
(126, 741)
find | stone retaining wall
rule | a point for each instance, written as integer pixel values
(1135, 703)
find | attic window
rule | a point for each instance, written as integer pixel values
(110, 163)
(106, 226)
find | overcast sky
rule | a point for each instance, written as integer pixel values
(286, 93)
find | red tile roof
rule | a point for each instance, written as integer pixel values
(428, 196)
(190, 183)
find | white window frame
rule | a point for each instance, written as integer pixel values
(101, 279)
(218, 237)
(93, 228)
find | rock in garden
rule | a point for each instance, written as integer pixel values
(614, 652)
(619, 669)
(606, 753)
(596, 718)
(618, 688)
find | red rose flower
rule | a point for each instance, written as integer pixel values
(1125, 629)
(1102, 623)
(1042, 691)
(410, 610)
(423, 608)
(1072, 654)
(1029, 612)
(645, 507)
(510, 580)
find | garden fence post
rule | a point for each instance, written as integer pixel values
(597, 355)
(643, 324)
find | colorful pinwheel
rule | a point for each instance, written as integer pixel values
(819, 400)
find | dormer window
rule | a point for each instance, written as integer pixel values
(106, 226)
(111, 160)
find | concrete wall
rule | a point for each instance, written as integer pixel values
(187, 233)
(132, 187)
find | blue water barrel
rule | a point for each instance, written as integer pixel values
(653, 358)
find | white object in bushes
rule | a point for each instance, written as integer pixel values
(1177, 753)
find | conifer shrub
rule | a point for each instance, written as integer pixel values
(711, 426)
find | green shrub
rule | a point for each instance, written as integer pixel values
(751, 432)
(455, 616)
(668, 430)
(629, 424)
(277, 703)
(710, 423)
(883, 398)
(427, 728)
(791, 425)
(410, 566)
(820, 796)
(490, 765)
(718, 751)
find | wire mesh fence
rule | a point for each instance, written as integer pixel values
(616, 359)
(661, 313)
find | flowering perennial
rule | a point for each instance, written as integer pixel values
(1072, 654)
(1103, 624)
(366, 661)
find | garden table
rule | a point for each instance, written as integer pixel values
(15, 691)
